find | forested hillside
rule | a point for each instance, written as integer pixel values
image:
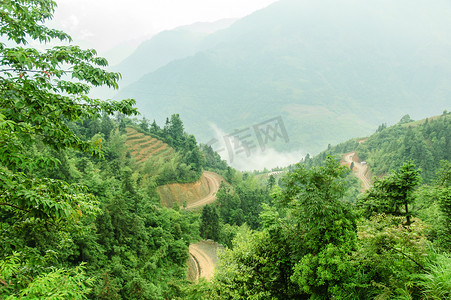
(425, 142)
(81, 216)
(312, 245)
(316, 238)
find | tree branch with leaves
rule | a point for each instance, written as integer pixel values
(41, 92)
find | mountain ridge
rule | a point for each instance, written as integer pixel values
(315, 67)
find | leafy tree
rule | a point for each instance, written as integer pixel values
(394, 193)
(209, 228)
(271, 182)
(442, 194)
(229, 174)
(40, 92)
(444, 174)
(251, 200)
(144, 124)
(405, 119)
(106, 125)
(54, 284)
(154, 128)
(122, 126)
(388, 255)
(193, 156)
(381, 127)
(227, 234)
(229, 205)
(212, 159)
(305, 246)
(176, 130)
(254, 269)
(328, 226)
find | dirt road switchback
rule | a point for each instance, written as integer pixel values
(193, 195)
(203, 255)
(213, 181)
(360, 170)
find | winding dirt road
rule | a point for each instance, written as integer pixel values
(213, 181)
(360, 170)
(204, 264)
(203, 255)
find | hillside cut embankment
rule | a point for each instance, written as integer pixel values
(203, 255)
(194, 195)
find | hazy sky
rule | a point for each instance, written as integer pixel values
(102, 24)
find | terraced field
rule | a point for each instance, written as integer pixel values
(143, 146)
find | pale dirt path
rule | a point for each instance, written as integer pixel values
(213, 181)
(205, 264)
(360, 170)
(203, 254)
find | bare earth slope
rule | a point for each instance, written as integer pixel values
(195, 194)
(203, 255)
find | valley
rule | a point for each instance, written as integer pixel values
(328, 80)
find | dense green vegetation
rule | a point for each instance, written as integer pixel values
(314, 245)
(319, 239)
(80, 216)
(128, 244)
(425, 142)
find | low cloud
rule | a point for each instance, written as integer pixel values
(270, 158)
(250, 159)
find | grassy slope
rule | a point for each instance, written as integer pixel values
(142, 146)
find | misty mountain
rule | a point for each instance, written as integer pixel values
(165, 47)
(121, 51)
(330, 70)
